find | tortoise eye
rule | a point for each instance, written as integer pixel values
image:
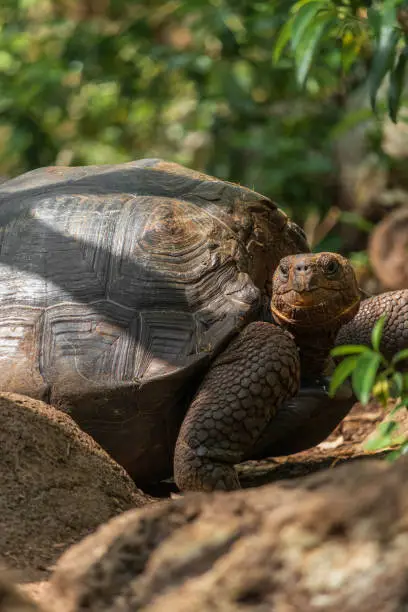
(284, 269)
(331, 267)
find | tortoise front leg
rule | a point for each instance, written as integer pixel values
(246, 384)
(393, 304)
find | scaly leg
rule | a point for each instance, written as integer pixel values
(247, 383)
(394, 304)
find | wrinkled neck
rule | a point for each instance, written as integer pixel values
(314, 350)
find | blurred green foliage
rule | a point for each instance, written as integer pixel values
(379, 27)
(373, 377)
(195, 81)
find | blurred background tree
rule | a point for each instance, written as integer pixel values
(269, 94)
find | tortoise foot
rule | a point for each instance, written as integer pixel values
(200, 473)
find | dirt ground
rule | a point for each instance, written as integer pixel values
(346, 444)
(58, 485)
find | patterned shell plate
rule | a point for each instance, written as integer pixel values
(111, 275)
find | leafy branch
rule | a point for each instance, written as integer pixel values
(382, 28)
(375, 377)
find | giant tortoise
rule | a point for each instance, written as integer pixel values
(137, 298)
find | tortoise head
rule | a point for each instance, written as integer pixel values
(314, 291)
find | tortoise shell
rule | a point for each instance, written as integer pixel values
(118, 284)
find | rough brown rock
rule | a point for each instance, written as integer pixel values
(338, 541)
(56, 485)
(388, 249)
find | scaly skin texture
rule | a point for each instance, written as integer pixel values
(394, 304)
(313, 296)
(242, 408)
(258, 371)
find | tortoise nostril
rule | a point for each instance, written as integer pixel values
(302, 267)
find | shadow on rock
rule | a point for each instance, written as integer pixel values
(337, 543)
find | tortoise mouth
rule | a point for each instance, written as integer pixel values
(304, 298)
(306, 312)
(307, 298)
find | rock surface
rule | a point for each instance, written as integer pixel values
(338, 540)
(388, 249)
(56, 485)
(13, 600)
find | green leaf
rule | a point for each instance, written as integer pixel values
(398, 383)
(396, 87)
(307, 50)
(388, 428)
(378, 443)
(383, 58)
(384, 438)
(402, 450)
(340, 374)
(282, 40)
(364, 374)
(298, 5)
(402, 404)
(377, 332)
(374, 21)
(349, 349)
(400, 356)
(293, 30)
(393, 455)
(302, 20)
(382, 442)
